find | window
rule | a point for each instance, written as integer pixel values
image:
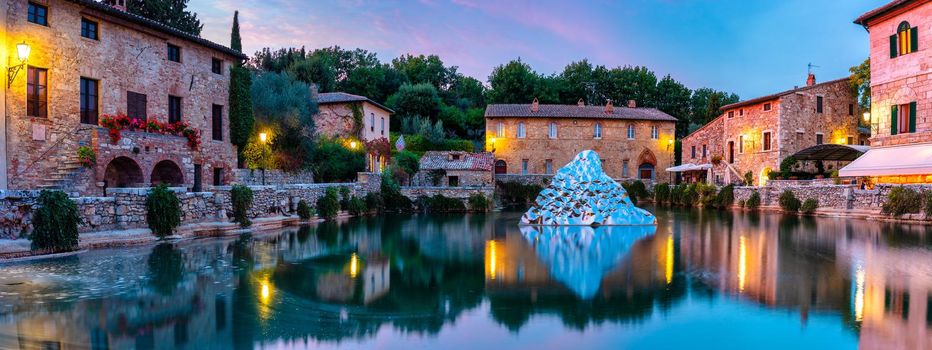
(630, 131)
(850, 140)
(174, 109)
(453, 181)
(597, 131)
(218, 176)
(522, 131)
(731, 114)
(174, 53)
(693, 152)
(766, 144)
(553, 130)
(819, 138)
(624, 168)
(136, 105)
(903, 118)
(741, 144)
(89, 29)
(767, 107)
(38, 14)
(500, 129)
(741, 112)
(216, 66)
(654, 132)
(372, 122)
(455, 156)
(851, 109)
(818, 104)
(548, 166)
(524, 163)
(703, 151)
(89, 101)
(216, 124)
(382, 126)
(37, 93)
(905, 41)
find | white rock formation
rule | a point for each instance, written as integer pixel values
(582, 194)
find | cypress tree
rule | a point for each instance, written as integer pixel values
(241, 118)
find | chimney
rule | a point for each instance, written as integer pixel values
(117, 4)
(580, 103)
(609, 107)
(535, 106)
(810, 81)
(632, 104)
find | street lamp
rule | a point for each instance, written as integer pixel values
(867, 116)
(263, 137)
(22, 53)
(352, 144)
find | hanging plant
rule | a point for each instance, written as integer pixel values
(87, 157)
(115, 125)
(358, 116)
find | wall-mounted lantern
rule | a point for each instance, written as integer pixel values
(22, 53)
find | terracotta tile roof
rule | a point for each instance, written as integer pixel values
(342, 97)
(777, 95)
(433, 160)
(145, 22)
(574, 111)
(880, 11)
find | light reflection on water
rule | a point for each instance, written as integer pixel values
(699, 279)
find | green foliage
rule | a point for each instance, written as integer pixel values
(236, 42)
(283, 107)
(676, 194)
(479, 203)
(304, 210)
(241, 197)
(789, 202)
(690, 195)
(344, 197)
(166, 268)
(749, 178)
(902, 200)
(705, 103)
(258, 155)
(753, 202)
(418, 144)
(639, 189)
(393, 200)
(421, 126)
(415, 100)
(809, 206)
(356, 206)
(726, 196)
(163, 211)
(240, 102)
(409, 161)
(334, 162)
(87, 156)
(514, 193)
(708, 195)
(171, 13)
(662, 193)
(516, 82)
(786, 166)
(860, 83)
(55, 222)
(442, 204)
(673, 99)
(328, 205)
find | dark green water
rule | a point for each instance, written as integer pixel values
(698, 280)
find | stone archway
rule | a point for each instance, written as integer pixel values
(501, 167)
(647, 161)
(167, 172)
(123, 172)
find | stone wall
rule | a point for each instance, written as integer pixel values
(848, 197)
(466, 178)
(525, 179)
(273, 177)
(462, 193)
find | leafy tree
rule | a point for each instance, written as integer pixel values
(416, 100)
(860, 82)
(425, 69)
(172, 13)
(283, 106)
(467, 92)
(673, 98)
(705, 104)
(240, 99)
(334, 162)
(258, 155)
(315, 69)
(513, 82)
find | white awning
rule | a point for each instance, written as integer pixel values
(896, 160)
(689, 167)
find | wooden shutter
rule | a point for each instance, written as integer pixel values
(893, 46)
(893, 120)
(914, 39)
(912, 117)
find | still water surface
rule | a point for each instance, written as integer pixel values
(698, 280)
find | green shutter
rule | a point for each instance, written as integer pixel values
(912, 117)
(893, 46)
(914, 39)
(893, 121)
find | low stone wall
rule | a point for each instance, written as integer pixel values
(452, 192)
(525, 179)
(829, 195)
(273, 177)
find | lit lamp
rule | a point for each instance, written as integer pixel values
(352, 144)
(22, 53)
(263, 137)
(867, 116)
(492, 143)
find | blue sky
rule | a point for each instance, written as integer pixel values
(751, 48)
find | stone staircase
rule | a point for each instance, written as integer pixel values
(63, 175)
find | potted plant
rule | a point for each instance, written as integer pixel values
(87, 157)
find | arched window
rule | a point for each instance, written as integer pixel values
(522, 130)
(630, 131)
(906, 40)
(372, 122)
(383, 125)
(553, 130)
(597, 131)
(500, 129)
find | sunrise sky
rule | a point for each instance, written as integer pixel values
(748, 47)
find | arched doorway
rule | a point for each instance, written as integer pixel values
(501, 167)
(167, 172)
(123, 172)
(646, 171)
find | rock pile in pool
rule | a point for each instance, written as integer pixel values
(582, 194)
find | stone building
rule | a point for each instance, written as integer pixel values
(756, 135)
(901, 94)
(86, 60)
(633, 142)
(455, 169)
(344, 115)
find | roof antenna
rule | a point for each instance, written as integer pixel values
(810, 66)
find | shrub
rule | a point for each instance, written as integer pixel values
(334, 162)
(638, 189)
(163, 211)
(357, 206)
(690, 195)
(661, 193)
(707, 195)
(241, 197)
(631, 194)
(328, 205)
(676, 194)
(927, 201)
(344, 197)
(902, 200)
(809, 206)
(374, 202)
(392, 198)
(749, 179)
(726, 196)
(443, 204)
(786, 166)
(753, 201)
(55, 222)
(408, 161)
(478, 202)
(304, 210)
(789, 202)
